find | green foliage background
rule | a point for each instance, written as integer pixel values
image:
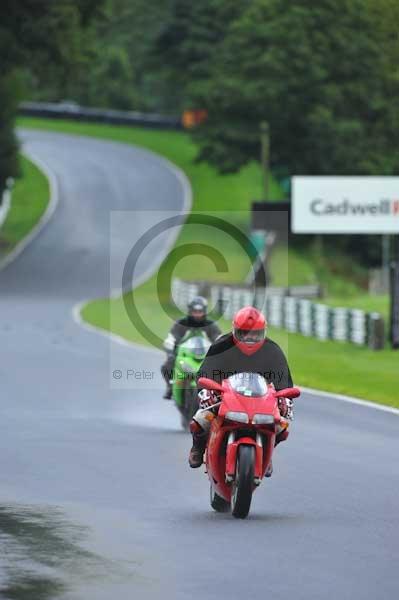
(41, 46)
(324, 75)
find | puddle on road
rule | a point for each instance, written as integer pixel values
(30, 587)
(40, 551)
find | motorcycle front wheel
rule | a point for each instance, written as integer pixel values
(243, 485)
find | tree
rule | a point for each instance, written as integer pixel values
(8, 144)
(46, 36)
(189, 41)
(316, 73)
(110, 81)
(118, 73)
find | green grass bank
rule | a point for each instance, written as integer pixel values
(332, 366)
(29, 200)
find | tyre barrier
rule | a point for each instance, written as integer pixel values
(284, 311)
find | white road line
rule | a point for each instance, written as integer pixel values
(117, 339)
(113, 337)
(187, 205)
(116, 293)
(5, 206)
(46, 216)
(351, 400)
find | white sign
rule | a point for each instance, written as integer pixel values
(345, 205)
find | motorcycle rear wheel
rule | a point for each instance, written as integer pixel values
(243, 485)
(218, 503)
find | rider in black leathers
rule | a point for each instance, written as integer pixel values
(195, 319)
(245, 350)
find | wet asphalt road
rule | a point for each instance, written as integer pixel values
(96, 500)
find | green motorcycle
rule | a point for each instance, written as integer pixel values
(190, 354)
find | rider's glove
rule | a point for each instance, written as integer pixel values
(207, 398)
(286, 408)
(170, 343)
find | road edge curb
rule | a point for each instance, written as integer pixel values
(351, 400)
(46, 216)
(79, 306)
(5, 206)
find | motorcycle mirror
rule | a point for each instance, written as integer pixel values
(209, 384)
(293, 392)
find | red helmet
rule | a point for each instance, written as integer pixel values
(249, 328)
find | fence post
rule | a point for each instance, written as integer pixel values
(375, 331)
(394, 325)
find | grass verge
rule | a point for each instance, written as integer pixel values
(30, 197)
(308, 268)
(326, 365)
(331, 366)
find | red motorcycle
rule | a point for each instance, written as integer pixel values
(242, 436)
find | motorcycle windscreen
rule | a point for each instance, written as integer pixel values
(197, 346)
(251, 385)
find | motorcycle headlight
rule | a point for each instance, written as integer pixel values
(263, 419)
(240, 417)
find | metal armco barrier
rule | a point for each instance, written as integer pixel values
(296, 315)
(298, 291)
(68, 110)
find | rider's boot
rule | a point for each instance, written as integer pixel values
(168, 393)
(280, 437)
(269, 469)
(196, 457)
